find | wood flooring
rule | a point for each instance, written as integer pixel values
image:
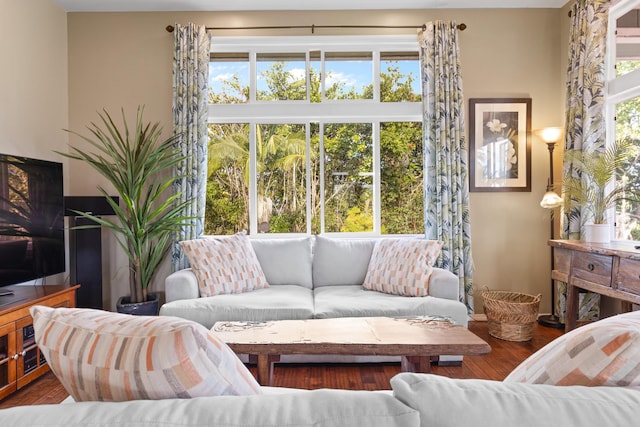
(504, 356)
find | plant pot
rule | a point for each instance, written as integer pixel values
(147, 308)
(597, 233)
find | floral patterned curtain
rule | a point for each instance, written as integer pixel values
(190, 89)
(445, 151)
(585, 121)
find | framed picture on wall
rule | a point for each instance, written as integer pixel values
(500, 144)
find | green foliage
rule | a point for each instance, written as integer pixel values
(233, 92)
(357, 221)
(402, 180)
(594, 169)
(224, 213)
(394, 89)
(140, 167)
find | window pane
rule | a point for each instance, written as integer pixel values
(229, 78)
(315, 70)
(348, 177)
(400, 77)
(628, 127)
(349, 75)
(227, 206)
(281, 76)
(624, 67)
(402, 185)
(281, 160)
(628, 42)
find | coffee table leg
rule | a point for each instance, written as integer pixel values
(416, 364)
(266, 363)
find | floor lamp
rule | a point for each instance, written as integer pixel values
(551, 200)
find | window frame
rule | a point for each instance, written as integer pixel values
(618, 88)
(256, 112)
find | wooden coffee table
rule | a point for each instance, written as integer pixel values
(415, 339)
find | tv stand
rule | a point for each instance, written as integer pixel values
(20, 359)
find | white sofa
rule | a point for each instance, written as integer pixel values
(311, 277)
(420, 400)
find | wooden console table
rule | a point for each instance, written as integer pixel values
(611, 269)
(20, 359)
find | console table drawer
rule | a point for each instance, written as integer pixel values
(592, 268)
(629, 276)
(562, 259)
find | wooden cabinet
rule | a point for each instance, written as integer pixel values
(21, 361)
(611, 269)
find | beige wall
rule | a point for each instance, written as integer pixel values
(33, 78)
(124, 59)
(33, 82)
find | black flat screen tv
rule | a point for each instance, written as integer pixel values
(31, 219)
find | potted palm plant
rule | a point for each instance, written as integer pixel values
(589, 184)
(139, 166)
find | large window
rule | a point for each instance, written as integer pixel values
(315, 135)
(623, 106)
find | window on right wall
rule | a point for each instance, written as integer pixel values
(623, 105)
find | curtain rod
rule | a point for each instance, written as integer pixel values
(170, 28)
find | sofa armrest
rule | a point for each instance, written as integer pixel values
(181, 284)
(444, 284)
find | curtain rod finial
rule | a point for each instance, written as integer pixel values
(170, 28)
(462, 26)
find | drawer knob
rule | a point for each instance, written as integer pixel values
(591, 267)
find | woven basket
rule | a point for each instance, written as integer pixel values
(511, 315)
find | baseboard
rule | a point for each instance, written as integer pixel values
(478, 317)
(449, 363)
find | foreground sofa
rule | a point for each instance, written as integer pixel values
(416, 400)
(597, 363)
(311, 277)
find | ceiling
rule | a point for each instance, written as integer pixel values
(219, 5)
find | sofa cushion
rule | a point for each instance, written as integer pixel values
(285, 261)
(98, 355)
(273, 303)
(355, 301)
(318, 408)
(224, 264)
(402, 266)
(606, 352)
(341, 261)
(446, 402)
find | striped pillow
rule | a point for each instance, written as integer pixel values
(402, 266)
(98, 355)
(603, 353)
(224, 264)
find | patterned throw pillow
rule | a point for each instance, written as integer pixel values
(225, 265)
(603, 353)
(402, 266)
(98, 355)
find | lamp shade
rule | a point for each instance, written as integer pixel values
(551, 200)
(549, 135)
